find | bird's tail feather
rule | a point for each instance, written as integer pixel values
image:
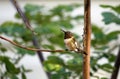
(82, 51)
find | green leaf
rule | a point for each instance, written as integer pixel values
(94, 69)
(109, 17)
(106, 6)
(103, 39)
(48, 47)
(93, 62)
(106, 55)
(10, 67)
(3, 49)
(54, 40)
(98, 33)
(48, 29)
(55, 60)
(75, 64)
(91, 74)
(61, 8)
(66, 24)
(30, 11)
(99, 37)
(53, 63)
(112, 58)
(79, 17)
(114, 8)
(51, 66)
(61, 74)
(24, 51)
(103, 78)
(107, 67)
(14, 77)
(23, 76)
(32, 8)
(101, 47)
(15, 30)
(112, 35)
(11, 28)
(55, 76)
(3, 58)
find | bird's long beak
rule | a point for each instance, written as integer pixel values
(62, 30)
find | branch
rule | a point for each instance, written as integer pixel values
(116, 66)
(87, 39)
(34, 49)
(24, 18)
(28, 26)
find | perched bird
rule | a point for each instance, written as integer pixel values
(71, 43)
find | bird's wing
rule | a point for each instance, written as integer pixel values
(77, 44)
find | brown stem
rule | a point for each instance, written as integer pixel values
(32, 49)
(116, 66)
(87, 39)
(36, 49)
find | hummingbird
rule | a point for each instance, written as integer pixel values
(71, 43)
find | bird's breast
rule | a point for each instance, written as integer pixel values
(70, 44)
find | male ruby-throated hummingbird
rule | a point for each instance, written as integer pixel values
(71, 42)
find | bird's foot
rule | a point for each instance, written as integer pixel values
(66, 50)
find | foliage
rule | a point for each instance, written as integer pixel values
(8, 63)
(48, 29)
(111, 17)
(101, 41)
(47, 24)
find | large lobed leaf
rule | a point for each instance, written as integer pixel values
(110, 17)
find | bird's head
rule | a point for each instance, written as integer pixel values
(67, 34)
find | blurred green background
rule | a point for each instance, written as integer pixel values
(47, 22)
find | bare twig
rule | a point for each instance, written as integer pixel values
(116, 66)
(35, 49)
(27, 48)
(87, 39)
